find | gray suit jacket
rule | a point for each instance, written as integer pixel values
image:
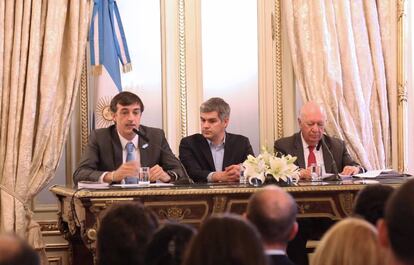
(293, 145)
(104, 153)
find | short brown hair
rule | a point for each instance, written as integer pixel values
(216, 104)
(125, 98)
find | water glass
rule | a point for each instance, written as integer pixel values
(316, 172)
(243, 178)
(144, 176)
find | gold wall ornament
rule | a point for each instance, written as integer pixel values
(83, 94)
(277, 66)
(182, 67)
(402, 89)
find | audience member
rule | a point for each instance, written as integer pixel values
(226, 239)
(351, 241)
(14, 251)
(370, 202)
(124, 233)
(396, 230)
(168, 244)
(273, 212)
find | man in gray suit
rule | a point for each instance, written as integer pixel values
(307, 145)
(105, 160)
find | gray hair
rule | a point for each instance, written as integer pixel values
(216, 104)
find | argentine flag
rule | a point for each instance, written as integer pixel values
(108, 47)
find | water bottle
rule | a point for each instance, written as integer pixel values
(243, 178)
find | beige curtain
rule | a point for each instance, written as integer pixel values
(42, 44)
(342, 57)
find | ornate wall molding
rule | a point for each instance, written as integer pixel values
(182, 68)
(402, 88)
(277, 66)
(83, 108)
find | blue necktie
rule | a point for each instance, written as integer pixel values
(130, 157)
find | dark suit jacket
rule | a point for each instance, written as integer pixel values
(195, 154)
(279, 260)
(293, 145)
(104, 153)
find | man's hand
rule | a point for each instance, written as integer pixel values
(128, 169)
(350, 170)
(230, 174)
(157, 173)
(305, 174)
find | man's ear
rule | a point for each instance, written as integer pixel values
(293, 231)
(383, 233)
(226, 122)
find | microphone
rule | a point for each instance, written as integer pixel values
(319, 145)
(335, 167)
(187, 179)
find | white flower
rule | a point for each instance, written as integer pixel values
(280, 168)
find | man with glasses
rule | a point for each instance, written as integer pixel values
(307, 145)
(117, 152)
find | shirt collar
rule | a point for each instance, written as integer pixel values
(210, 143)
(304, 143)
(125, 141)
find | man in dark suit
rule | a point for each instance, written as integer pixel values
(273, 211)
(309, 149)
(307, 145)
(214, 155)
(105, 158)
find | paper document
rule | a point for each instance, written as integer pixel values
(92, 185)
(157, 184)
(372, 173)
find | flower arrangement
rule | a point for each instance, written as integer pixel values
(267, 164)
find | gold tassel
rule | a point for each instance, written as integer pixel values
(96, 69)
(127, 68)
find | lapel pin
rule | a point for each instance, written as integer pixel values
(144, 146)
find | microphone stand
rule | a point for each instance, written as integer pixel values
(335, 167)
(187, 179)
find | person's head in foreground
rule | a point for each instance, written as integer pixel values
(14, 251)
(226, 239)
(351, 241)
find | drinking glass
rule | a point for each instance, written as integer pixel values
(243, 178)
(144, 176)
(316, 172)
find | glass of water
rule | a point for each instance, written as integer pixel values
(243, 178)
(144, 176)
(316, 172)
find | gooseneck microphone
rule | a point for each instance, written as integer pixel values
(187, 179)
(335, 167)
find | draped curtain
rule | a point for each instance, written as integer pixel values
(42, 45)
(344, 58)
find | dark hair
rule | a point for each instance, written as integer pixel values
(124, 233)
(25, 255)
(399, 219)
(168, 244)
(370, 202)
(226, 239)
(216, 104)
(125, 98)
(273, 211)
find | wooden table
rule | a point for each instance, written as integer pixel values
(80, 210)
